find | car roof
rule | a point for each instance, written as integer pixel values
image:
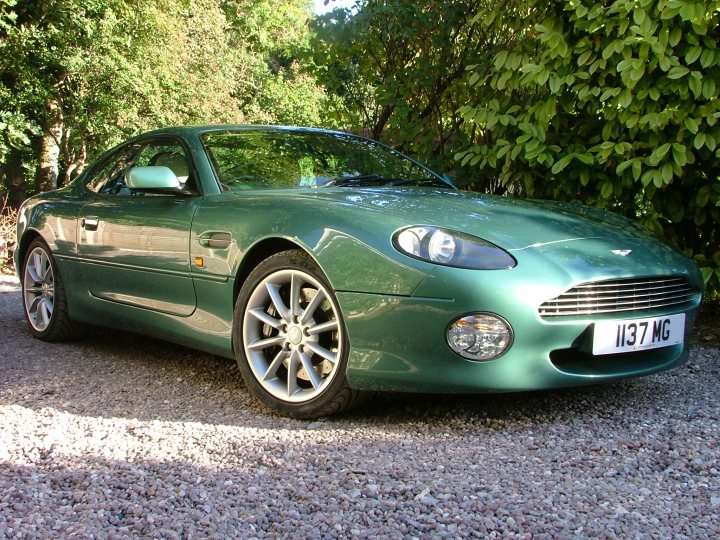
(208, 128)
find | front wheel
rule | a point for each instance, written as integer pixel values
(44, 296)
(290, 339)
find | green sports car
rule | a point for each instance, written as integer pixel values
(327, 264)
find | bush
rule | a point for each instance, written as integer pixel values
(613, 104)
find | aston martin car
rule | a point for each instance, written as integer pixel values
(328, 264)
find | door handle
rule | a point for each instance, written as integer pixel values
(216, 240)
(90, 223)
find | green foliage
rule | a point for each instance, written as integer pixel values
(78, 75)
(613, 104)
(397, 70)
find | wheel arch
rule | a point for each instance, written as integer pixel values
(27, 238)
(258, 253)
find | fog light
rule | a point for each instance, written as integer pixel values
(480, 336)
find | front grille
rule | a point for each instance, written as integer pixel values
(621, 295)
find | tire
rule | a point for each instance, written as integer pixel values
(290, 340)
(43, 294)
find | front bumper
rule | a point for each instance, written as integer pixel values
(398, 343)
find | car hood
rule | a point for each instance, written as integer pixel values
(512, 224)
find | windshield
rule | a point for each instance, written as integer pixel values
(247, 159)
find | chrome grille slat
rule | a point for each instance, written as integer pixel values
(639, 298)
(622, 296)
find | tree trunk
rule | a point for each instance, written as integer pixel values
(49, 152)
(76, 166)
(12, 172)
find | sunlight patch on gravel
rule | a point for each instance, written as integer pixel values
(9, 283)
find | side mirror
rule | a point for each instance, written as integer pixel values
(155, 178)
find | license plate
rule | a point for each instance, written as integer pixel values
(612, 337)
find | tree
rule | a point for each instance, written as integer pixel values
(614, 104)
(79, 75)
(397, 68)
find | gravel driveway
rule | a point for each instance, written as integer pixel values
(120, 436)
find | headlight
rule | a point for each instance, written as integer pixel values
(450, 248)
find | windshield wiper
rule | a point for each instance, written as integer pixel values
(377, 180)
(419, 182)
(357, 180)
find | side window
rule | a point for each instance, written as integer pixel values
(109, 177)
(168, 155)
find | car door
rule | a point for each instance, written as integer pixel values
(134, 246)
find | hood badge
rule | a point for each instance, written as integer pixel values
(622, 252)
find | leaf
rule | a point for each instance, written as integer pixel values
(561, 164)
(584, 177)
(622, 167)
(625, 98)
(693, 54)
(710, 141)
(679, 154)
(607, 189)
(702, 197)
(584, 57)
(696, 87)
(503, 80)
(678, 72)
(691, 124)
(638, 16)
(707, 58)
(659, 153)
(675, 37)
(500, 59)
(585, 158)
(708, 89)
(687, 12)
(667, 173)
(657, 178)
(636, 169)
(699, 140)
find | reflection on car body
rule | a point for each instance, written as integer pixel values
(328, 264)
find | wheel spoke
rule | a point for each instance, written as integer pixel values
(295, 288)
(274, 292)
(32, 272)
(322, 351)
(310, 370)
(271, 372)
(312, 306)
(44, 312)
(329, 326)
(38, 265)
(260, 314)
(35, 305)
(261, 344)
(292, 374)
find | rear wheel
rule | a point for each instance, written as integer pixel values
(44, 296)
(290, 339)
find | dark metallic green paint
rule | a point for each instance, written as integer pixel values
(136, 271)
